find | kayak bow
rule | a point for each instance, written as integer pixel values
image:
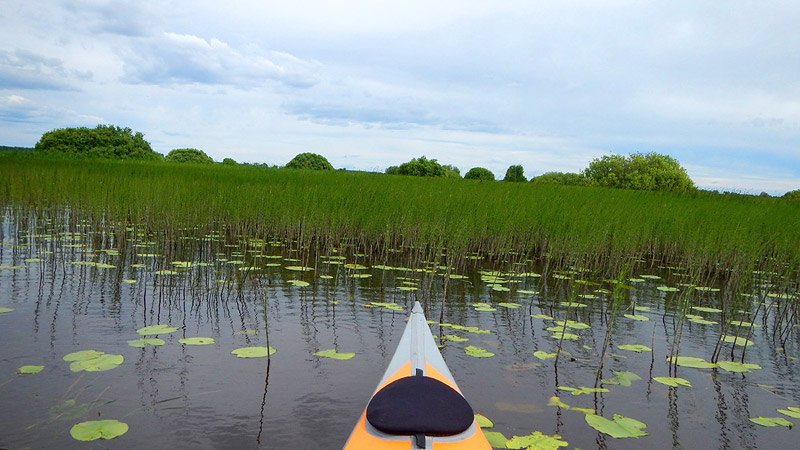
(417, 404)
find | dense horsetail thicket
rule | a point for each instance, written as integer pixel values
(593, 225)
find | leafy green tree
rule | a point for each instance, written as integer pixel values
(229, 162)
(189, 155)
(651, 171)
(479, 173)
(422, 167)
(392, 170)
(565, 178)
(309, 161)
(451, 171)
(792, 195)
(103, 141)
(515, 174)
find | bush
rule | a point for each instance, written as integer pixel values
(515, 174)
(189, 155)
(451, 171)
(422, 167)
(564, 178)
(229, 162)
(651, 171)
(104, 141)
(309, 161)
(392, 170)
(479, 173)
(792, 195)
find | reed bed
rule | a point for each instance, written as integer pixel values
(597, 226)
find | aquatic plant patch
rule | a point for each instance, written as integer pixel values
(98, 429)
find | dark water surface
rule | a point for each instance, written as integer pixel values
(203, 397)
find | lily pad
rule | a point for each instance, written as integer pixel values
(672, 381)
(737, 367)
(566, 336)
(620, 427)
(3, 309)
(253, 352)
(706, 309)
(196, 341)
(791, 411)
(454, 338)
(477, 352)
(536, 441)
(333, 354)
(623, 378)
(691, 361)
(667, 289)
(637, 317)
(544, 355)
(541, 316)
(97, 429)
(555, 401)
(581, 390)
(572, 304)
(638, 348)
(771, 421)
(82, 355)
(483, 421)
(156, 329)
(29, 370)
(141, 343)
(496, 439)
(299, 283)
(737, 340)
(573, 324)
(299, 268)
(101, 363)
(510, 305)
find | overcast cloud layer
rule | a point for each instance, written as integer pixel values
(368, 84)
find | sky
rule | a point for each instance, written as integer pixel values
(549, 85)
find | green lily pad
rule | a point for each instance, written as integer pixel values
(691, 361)
(737, 367)
(572, 304)
(573, 324)
(454, 338)
(672, 381)
(791, 411)
(3, 309)
(101, 363)
(638, 348)
(82, 355)
(541, 316)
(544, 355)
(333, 354)
(129, 281)
(156, 329)
(253, 352)
(620, 427)
(737, 340)
(483, 421)
(196, 341)
(706, 309)
(700, 320)
(581, 390)
(477, 352)
(29, 370)
(299, 268)
(299, 283)
(536, 441)
(771, 421)
(555, 401)
(166, 272)
(622, 378)
(510, 305)
(97, 429)
(496, 439)
(141, 343)
(566, 336)
(667, 289)
(637, 317)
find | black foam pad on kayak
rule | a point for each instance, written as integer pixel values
(419, 406)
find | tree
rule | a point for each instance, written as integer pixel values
(515, 174)
(479, 173)
(422, 167)
(792, 195)
(309, 161)
(651, 171)
(229, 162)
(189, 155)
(565, 178)
(103, 141)
(392, 170)
(451, 171)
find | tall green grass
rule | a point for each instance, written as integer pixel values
(594, 225)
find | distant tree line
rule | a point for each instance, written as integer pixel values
(644, 171)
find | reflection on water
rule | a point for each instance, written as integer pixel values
(74, 288)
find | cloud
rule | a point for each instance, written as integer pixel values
(174, 58)
(18, 109)
(124, 18)
(28, 70)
